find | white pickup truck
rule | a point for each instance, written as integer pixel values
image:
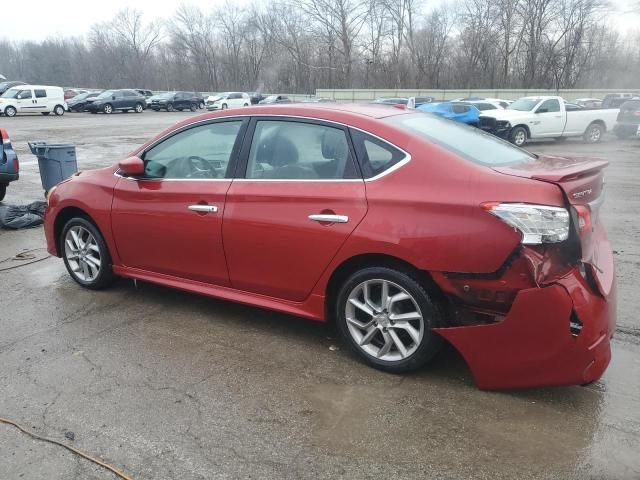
(547, 117)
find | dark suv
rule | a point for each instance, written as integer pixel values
(172, 101)
(111, 100)
(9, 166)
(628, 122)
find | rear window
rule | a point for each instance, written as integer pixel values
(468, 142)
(630, 106)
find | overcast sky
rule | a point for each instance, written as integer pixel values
(74, 17)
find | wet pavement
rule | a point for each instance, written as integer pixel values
(165, 384)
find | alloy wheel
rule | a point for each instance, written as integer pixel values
(519, 138)
(108, 108)
(10, 112)
(384, 320)
(594, 134)
(83, 253)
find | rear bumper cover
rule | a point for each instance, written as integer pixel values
(8, 177)
(533, 345)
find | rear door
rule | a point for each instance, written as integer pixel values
(41, 102)
(296, 201)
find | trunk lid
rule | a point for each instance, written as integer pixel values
(582, 181)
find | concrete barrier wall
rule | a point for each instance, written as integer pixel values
(362, 95)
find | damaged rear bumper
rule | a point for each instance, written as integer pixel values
(534, 346)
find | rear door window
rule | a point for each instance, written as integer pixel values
(291, 150)
(40, 93)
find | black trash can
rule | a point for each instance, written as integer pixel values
(56, 162)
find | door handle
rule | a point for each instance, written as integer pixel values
(203, 208)
(321, 217)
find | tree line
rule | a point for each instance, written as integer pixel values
(298, 46)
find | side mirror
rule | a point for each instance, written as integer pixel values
(131, 166)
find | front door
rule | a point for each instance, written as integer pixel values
(549, 120)
(169, 220)
(299, 199)
(25, 102)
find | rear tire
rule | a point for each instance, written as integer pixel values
(45, 113)
(58, 110)
(224, 106)
(593, 133)
(622, 135)
(193, 107)
(373, 327)
(170, 107)
(3, 191)
(201, 105)
(139, 108)
(518, 136)
(81, 245)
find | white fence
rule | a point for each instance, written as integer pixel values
(363, 95)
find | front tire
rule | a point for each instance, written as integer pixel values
(224, 106)
(85, 254)
(387, 318)
(170, 107)
(201, 105)
(593, 133)
(139, 108)
(193, 107)
(58, 110)
(518, 136)
(10, 111)
(46, 114)
(108, 109)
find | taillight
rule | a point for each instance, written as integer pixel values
(16, 165)
(584, 218)
(537, 223)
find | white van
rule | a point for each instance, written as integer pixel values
(32, 99)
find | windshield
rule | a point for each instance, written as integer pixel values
(82, 96)
(468, 142)
(106, 94)
(524, 104)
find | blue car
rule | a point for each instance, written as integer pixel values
(459, 112)
(9, 167)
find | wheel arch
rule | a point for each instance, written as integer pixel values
(526, 128)
(598, 122)
(358, 262)
(66, 214)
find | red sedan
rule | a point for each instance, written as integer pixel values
(404, 228)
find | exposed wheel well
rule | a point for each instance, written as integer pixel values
(353, 264)
(63, 217)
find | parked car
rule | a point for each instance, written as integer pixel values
(69, 93)
(456, 111)
(172, 101)
(614, 100)
(496, 101)
(42, 99)
(483, 105)
(200, 99)
(256, 98)
(79, 102)
(414, 102)
(275, 99)
(505, 257)
(628, 120)
(145, 93)
(318, 100)
(391, 101)
(4, 86)
(589, 102)
(546, 117)
(9, 165)
(226, 100)
(110, 101)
